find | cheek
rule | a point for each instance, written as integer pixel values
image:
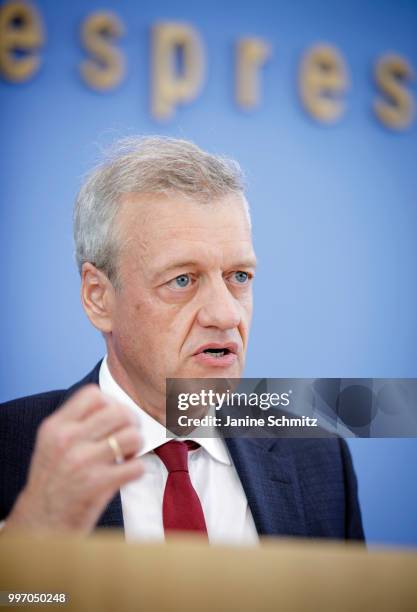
(247, 306)
(134, 319)
(149, 321)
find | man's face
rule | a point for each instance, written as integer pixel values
(186, 274)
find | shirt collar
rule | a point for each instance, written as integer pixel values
(153, 433)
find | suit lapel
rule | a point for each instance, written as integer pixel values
(268, 474)
(113, 514)
(91, 378)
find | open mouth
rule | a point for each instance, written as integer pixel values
(217, 352)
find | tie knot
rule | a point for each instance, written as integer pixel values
(174, 454)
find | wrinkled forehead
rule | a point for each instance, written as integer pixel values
(153, 228)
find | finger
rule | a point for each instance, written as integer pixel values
(129, 441)
(84, 402)
(109, 419)
(121, 474)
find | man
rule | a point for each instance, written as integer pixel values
(163, 244)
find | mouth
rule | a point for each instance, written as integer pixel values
(217, 354)
(217, 349)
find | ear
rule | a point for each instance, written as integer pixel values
(97, 297)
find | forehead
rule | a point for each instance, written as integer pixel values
(157, 228)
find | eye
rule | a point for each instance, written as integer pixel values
(180, 282)
(241, 277)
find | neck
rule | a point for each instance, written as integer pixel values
(150, 400)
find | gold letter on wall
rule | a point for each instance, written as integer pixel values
(323, 78)
(107, 68)
(397, 111)
(251, 55)
(20, 30)
(170, 86)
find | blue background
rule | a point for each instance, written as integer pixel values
(334, 208)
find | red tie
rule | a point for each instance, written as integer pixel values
(181, 507)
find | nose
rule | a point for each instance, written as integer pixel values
(219, 308)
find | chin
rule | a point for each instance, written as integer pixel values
(216, 372)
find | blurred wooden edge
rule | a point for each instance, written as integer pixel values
(103, 572)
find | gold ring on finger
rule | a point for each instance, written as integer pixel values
(117, 451)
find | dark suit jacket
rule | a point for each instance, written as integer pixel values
(294, 487)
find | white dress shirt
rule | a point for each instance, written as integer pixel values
(212, 473)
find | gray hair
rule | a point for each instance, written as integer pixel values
(151, 164)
